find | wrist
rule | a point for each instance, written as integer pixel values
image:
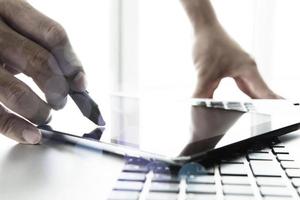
(208, 29)
(200, 13)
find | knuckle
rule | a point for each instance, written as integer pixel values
(55, 34)
(39, 58)
(40, 65)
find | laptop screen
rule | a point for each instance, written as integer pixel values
(173, 128)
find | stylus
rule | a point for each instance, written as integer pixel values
(88, 107)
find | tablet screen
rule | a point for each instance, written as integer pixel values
(175, 128)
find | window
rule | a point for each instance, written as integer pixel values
(266, 29)
(144, 46)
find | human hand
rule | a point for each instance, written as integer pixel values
(35, 45)
(217, 56)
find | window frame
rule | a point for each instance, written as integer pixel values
(124, 46)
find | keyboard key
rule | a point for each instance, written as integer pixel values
(201, 188)
(217, 104)
(238, 197)
(293, 173)
(193, 196)
(277, 150)
(210, 170)
(129, 185)
(202, 171)
(284, 157)
(237, 189)
(161, 196)
(260, 156)
(136, 161)
(290, 165)
(265, 168)
(164, 187)
(296, 182)
(123, 195)
(233, 169)
(235, 105)
(249, 106)
(270, 181)
(278, 146)
(274, 191)
(200, 103)
(264, 150)
(277, 198)
(201, 179)
(195, 169)
(130, 176)
(165, 178)
(135, 168)
(237, 160)
(238, 180)
(160, 169)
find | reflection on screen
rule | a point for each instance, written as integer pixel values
(177, 128)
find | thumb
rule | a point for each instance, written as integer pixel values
(206, 86)
(252, 84)
(17, 128)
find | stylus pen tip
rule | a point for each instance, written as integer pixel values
(88, 107)
(101, 121)
(96, 117)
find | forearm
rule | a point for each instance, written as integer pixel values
(201, 13)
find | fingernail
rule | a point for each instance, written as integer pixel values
(80, 82)
(32, 136)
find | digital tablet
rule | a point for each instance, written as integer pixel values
(175, 131)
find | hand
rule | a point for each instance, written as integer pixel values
(33, 44)
(217, 56)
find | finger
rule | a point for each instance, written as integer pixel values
(36, 62)
(49, 34)
(17, 128)
(9, 69)
(18, 97)
(206, 86)
(252, 84)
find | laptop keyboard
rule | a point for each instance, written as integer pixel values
(226, 105)
(267, 174)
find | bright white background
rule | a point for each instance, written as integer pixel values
(154, 54)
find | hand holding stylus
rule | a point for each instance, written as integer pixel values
(35, 45)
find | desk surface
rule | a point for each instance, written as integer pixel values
(54, 170)
(59, 171)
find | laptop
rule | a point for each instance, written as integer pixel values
(195, 149)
